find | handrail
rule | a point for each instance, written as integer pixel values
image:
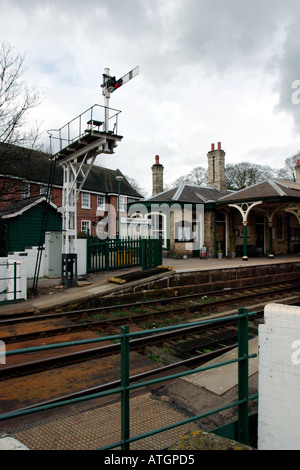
(243, 367)
(76, 127)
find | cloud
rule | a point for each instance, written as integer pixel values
(210, 70)
(289, 73)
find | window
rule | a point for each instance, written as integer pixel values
(295, 234)
(43, 190)
(122, 206)
(86, 226)
(158, 226)
(85, 200)
(25, 190)
(183, 231)
(100, 202)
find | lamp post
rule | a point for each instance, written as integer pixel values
(119, 179)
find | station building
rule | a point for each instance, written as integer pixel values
(212, 221)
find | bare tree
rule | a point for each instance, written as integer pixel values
(16, 99)
(133, 182)
(198, 177)
(288, 172)
(242, 175)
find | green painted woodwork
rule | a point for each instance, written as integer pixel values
(25, 230)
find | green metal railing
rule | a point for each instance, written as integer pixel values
(242, 403)
(123, 253)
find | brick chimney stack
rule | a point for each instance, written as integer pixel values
(297, 171)
(157, 177)
(216, 168)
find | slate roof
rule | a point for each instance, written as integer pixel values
(34, 166)
(19, 207)
(269, 189)
(188, 193)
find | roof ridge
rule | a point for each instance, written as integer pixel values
(18, 207)
(276, 187)
(178, 192)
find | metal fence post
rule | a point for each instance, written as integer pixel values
(107, 248)
(15, 281)
(125, 413)
(243, 377)
(142, 255)
(160, 254)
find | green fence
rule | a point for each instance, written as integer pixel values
(125, 387)
(105, 255)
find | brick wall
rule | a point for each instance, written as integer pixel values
(279, 379)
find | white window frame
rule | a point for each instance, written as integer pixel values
(157, 231)
(85, 226)
(100, 207)
(85, 204)
(122, 204)
(43, 190)
(25, 190)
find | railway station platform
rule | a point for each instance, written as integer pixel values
(97, 284)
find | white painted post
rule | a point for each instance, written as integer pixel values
(279, 378)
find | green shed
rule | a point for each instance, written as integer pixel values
(21, 223)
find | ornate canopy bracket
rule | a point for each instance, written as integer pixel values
(295, 210)
(244, 208)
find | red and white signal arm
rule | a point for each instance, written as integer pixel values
(133, 73)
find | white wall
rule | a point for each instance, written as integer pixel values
(7, 282)
(279, 379)
(28, 256)
(26, 261)
(81, 256)
(51, 260)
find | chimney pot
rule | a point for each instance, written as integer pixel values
(157, 159)
(212, 147)
(219, 145)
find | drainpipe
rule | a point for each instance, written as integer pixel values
(215, 233)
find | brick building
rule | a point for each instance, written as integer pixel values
(24, 173)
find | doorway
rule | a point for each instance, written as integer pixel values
(260, 234)
(221, 232)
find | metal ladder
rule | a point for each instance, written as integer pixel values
(43, 227)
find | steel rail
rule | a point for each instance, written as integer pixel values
(161, 301)
(191, 362)
(114, 348)
(130, 317)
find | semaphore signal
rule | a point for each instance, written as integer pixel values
(110, 84)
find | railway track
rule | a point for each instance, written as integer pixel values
(104, 319)
(186, 347)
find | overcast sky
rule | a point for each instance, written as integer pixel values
(209, 71)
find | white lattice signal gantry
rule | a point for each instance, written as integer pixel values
(75, 147)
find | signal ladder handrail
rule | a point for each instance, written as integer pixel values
(76, 128)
